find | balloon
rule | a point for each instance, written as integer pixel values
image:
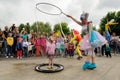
(77, 37)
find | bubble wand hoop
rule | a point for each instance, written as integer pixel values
(41, 7)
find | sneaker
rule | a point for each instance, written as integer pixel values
(20, 57)
(86, 65)
(92, 66)
(79, 58)
(6, 56)
(49, 67)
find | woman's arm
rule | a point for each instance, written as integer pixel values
(90, 25)
(78, 22)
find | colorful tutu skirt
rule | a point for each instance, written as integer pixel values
(92, 41)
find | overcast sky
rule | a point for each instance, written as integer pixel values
(23, 11)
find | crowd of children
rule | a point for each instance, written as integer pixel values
(22, 45)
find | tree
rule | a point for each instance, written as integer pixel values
(108, 17)
(27, 27)
(21, 26)
(94, 28)
(34, 27)
(62, 27)
(41, 27)
(47, 28)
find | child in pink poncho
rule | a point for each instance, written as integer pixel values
(50, 51)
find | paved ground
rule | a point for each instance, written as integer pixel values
(107, 69)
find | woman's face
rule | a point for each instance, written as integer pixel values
(6, 28)
(84, 21)
(114, 34)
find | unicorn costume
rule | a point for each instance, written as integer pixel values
(90, 41)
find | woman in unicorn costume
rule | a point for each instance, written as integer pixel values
(91, 40)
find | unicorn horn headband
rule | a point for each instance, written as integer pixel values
(84, 16)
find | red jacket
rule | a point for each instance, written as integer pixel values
(71, 47)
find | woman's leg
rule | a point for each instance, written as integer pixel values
(93, 56)
(93, 64)
(87, 62)
(90, 57)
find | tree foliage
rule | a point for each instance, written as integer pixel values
(62, 27)
(21, 26)
(41, 27)
(114, 28)
(26, 26)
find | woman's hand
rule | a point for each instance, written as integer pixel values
(75, 20)
(68, 15)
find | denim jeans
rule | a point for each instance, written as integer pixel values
(115, 46)
(25, 52)
(4, 49)
(57, 52)
(103, 50)
(71, 53)
(9, 52)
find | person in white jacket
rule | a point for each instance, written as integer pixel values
(25, 47)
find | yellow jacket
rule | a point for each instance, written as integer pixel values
(10, 41)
